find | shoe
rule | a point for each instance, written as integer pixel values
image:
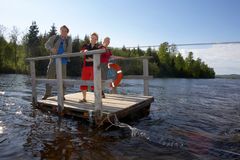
(82, 101)
(45, 97)
(103, 95)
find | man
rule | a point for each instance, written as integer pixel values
(58, 44)
(87, 70)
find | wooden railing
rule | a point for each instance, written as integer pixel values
(96, 82)
(145, 75)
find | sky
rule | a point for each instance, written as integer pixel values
(140, 22)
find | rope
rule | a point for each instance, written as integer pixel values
(136, 132)
(116, 122)
(189, 44)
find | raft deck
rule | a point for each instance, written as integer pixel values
(124, 106)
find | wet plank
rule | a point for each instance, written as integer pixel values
(123, 105)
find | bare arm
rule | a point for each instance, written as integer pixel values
(117, 57)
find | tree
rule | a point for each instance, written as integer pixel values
(165, 60)
(33, 40)
(8, 57)
(35, 49)
(86, 39)
(196, 68)
(148, 51)
(173, 49)
(179, 65)
(154, 69)
(75, 67)
(3, 44)
(188, 64)
(154, 60)
(124, 48)
(13, 39)
(53, 31)
(2, 30)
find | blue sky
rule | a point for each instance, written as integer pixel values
(131, 22)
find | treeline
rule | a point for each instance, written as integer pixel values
(166, 61)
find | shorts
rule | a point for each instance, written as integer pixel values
(104, 70)
(87, 74)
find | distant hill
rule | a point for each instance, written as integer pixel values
(229, 76)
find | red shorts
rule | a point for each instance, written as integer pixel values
(87, 74)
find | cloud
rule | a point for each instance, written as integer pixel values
(225, 59)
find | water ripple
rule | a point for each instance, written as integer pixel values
(189, 119)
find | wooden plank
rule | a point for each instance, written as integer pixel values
(97, 86)
(59, 84)
(134, 58)
(145, 73)
(113, 103)
(76, 54)
(33, 81)
(72, 82)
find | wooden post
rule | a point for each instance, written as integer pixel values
(145, 73)
(33, 81)
(97, 87)
(59, 84)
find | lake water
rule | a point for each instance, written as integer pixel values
(189, 119)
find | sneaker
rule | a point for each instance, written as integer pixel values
(45, 97)
(103, 95)
(82, 101)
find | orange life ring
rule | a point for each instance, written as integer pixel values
(119, 77)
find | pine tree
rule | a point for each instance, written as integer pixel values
(139, 52)
(86, 39)
(33, 40)
(124, 48)
(53, 31)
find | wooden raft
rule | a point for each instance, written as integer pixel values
(124, 106)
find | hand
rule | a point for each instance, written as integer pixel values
(89, 59)
(117, 57)
(83, 51)
(54, 50)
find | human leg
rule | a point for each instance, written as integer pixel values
(51, 74)
(86, 75)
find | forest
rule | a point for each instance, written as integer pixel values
(166, 61)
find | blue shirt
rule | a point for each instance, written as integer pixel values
(61, 51)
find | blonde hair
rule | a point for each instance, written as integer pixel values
(107, 38)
